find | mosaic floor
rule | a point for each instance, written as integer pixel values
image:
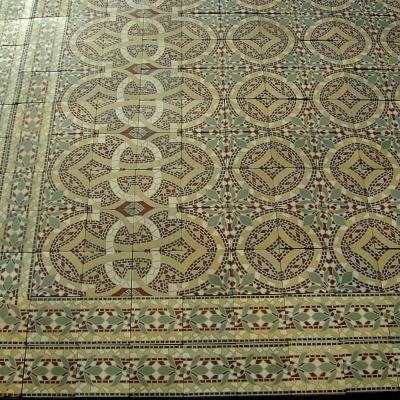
(199, 197)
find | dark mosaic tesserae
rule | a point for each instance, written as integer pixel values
(199, 197)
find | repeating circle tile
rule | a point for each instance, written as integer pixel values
(279, 251)
(261, 39)
(365, 252)
(349, 100)
(266, 99)
(360, 169)
(272, 170)
(338, 40)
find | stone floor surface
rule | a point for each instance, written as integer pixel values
(199, 197)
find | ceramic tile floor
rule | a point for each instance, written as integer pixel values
(199, 197)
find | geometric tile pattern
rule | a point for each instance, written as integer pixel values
(199, 197)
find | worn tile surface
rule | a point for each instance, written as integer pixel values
(199, 197)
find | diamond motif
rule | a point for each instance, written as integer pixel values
(361, 168)
(134, 208)
(338, 39)
(272, 168)
(279, 249)
(349, 99)
(375, 248)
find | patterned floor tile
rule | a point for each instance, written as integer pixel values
(50, 371)
(378, 7)
(121, 6)
(370, 363)
(71, 323)
(199, 197)
(370, 263)
(13, 32)
(391, 315)
(313, 317)
(11, 58)
(81, 273)
(64, 8)
(196, 7)
(312, 367)
(259, 369)
(75, 220)
(237, 6)
(12, 371)
(159, 267)
(302, 7)
(146, 189)
(16, 9)
(14, 326)
(298, 266)
(149, 8)
(107, 372)
(41, 56)
(157, 368)
(237, 319)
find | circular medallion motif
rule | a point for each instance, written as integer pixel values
(332, 5)
(165, 261)
(166, 168)
(364, 248)
(135, 183)
(273, 171)
(261, 39)
(386, 232)
(161, 41)
(191, 41)
(390, 39)
(279, 251)
(188, 252)
(360, 169)
(338, 41)
(349, 100)
(266, 99)
(165, 96)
